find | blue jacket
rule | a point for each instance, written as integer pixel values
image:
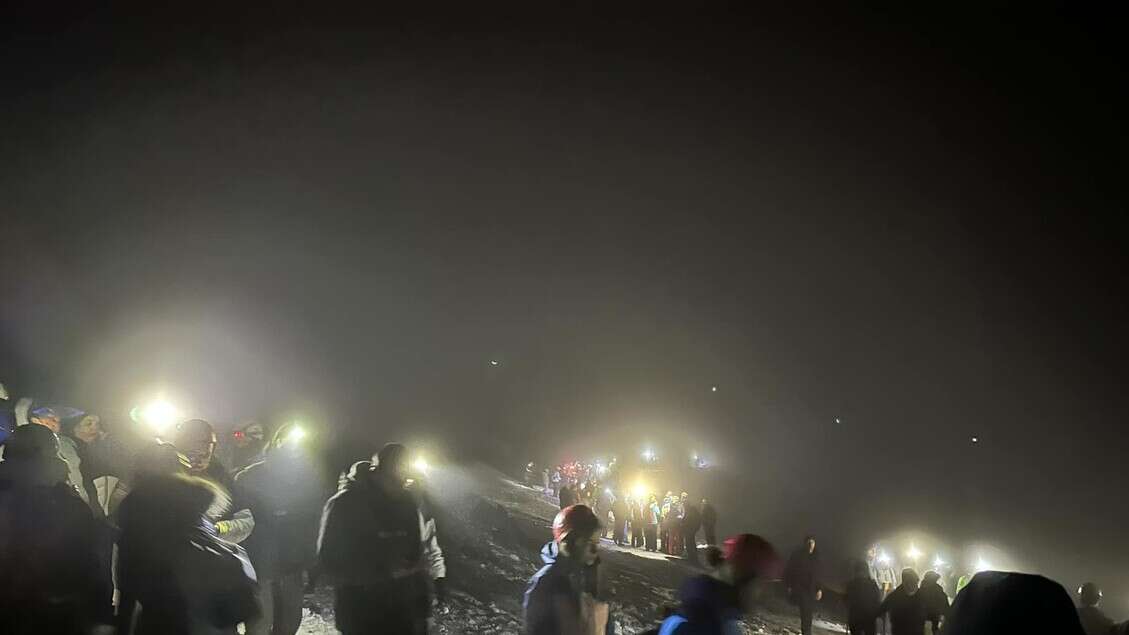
(560, 579)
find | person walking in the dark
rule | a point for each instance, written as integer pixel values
(709, 522)
(195, 442)
(638, 525)
(620, 514)
(933, 599)
(371, 547)
(691, 523)
(560, 598)
(178, 576)
(802, 580)
(904, 605)
(285, 495)
(863, 598)
(652, 516)
(48, 567)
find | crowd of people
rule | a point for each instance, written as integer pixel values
(192, 532)
(113, 527)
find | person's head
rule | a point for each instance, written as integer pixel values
(748, 557)
(809, 544)
(251, 434)
(909, 580)
(47, 417)
(576, 530)
(195, 439)
(31, 443)
(392, 462)
(1089, 594)
(88, 429)
(685, 496)
(930, 577)
(872, 552)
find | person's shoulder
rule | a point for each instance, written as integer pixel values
(251, 472)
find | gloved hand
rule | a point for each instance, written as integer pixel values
(223, 527)
(441, 589)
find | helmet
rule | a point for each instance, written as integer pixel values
(574, 518)
(1089, 594)
(751, 557)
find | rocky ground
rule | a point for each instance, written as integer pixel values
(492, 530)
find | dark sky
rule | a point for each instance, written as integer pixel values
(908, 222)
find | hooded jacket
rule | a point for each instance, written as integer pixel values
(558, 584)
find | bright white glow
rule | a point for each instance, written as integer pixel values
(976, 439)
(649, 455)
(938, 562)
(159, 415)
(914, 553)
(420, 465)
(639, 490)
(982, 565)
(494, 362)
(713, 388)
(296, 434)
(884, 557)
(837, 420)
(608, 491)
(601, 468)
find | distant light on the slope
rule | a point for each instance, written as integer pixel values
(884, 557)
(649, 455)
(296, 434)
(982, 565)
(914, 553)
(713, 388)
(938, 562)
(976, 439)
(608, 491)
(837, 420)
(420, 465)
(495, 362)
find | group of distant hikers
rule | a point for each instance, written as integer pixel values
(564, 598)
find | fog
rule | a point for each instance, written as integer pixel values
(352, 223)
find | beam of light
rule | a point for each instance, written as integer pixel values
(938, 562)
(914, 553)
(883, 557)
(420, 465)
(296, 434)
(982, 565)
(159, 415)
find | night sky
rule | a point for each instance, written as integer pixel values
(909, 223)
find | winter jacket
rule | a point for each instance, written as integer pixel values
(653, 514)
(567, 497)
(552, 604)
(802, 575)
(371, 546)
(230, 513)
(691, 522)
(933, 600)
(187, 580)
(48, 566)
(68, 451)
(709, 515)
(863, 600)
(907, 613)
(708, 607)
(285, 497)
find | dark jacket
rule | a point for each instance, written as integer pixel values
(557, 586)
(1094, 622)
(709, 515)
(802, 575)
(907, 613)
(708, 606)
(691, 522)
(48, 566)
(863, 599)
(285, 495)
(370, 544)
(186, 580)
(933, 600)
